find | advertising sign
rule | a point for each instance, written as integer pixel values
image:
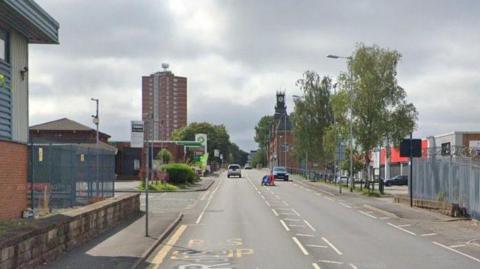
(202, 139)
(137, 134)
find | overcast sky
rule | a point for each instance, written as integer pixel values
(237, 54)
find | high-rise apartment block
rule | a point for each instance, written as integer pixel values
(164, 104)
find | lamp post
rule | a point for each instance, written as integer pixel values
(96, 122)
(351, 118)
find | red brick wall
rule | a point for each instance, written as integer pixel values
(13, 179)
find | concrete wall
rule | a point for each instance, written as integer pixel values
(19, 60)
(13, 179)
(50, 237)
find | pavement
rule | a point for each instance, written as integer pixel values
(126, 245)
(240, 224)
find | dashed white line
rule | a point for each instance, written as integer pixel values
(456, 251)
(353, 266)
(208, 203)
(328, 198)
(404, 225)
(430, 234)
(267, 203)
(285, 203)
(315, 266)
(275, 212)
(305, 235)
(329, 261)
(295, 211)
(401, 229)
(263, 197)
(367, 214)
(290, 219)
(305, 252)
(457, 246)
(284, 225)
(310, 225)
(316, 246)
(345, 205)
(332, 246)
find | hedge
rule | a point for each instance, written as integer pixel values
(180, 173)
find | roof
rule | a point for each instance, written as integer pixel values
(28, 18)
(284, 123)
(63, 124)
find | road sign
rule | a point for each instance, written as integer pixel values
(137, 134)
(416, 147)
(202, 139)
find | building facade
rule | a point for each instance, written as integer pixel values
(66, 131)
(164, 104)
(281, 143)
(22, 22)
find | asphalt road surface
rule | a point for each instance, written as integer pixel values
(240, 224)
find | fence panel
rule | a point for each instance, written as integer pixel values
(65, 175)
(451, 179)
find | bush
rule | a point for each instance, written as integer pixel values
(180, 173)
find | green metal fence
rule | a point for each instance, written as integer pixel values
(66, 175)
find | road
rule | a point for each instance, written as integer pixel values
(240, 224)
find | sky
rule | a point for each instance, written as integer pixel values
(237, 54)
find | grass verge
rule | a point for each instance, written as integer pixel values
(158, 186)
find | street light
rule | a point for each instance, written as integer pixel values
(96, 122)
(331, 56)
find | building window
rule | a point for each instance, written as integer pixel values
(4, 48)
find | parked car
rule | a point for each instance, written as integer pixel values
(397, 180)
(234, 170)
(279, 172)
(248, 166)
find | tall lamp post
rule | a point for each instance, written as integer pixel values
(351, 118)
(96, 122)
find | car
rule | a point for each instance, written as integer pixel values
(397, 180)
(342, 180)
(234, 170)
(279, 172)
(248, 166)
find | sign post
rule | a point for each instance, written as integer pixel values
(411, 148)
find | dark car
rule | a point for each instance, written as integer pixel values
(397, 180)
(279, 172)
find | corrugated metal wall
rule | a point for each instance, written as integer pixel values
(19, 60)
(5, 102)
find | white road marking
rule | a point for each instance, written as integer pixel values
(309, 225)
(295, 211)
(285, 203)
(345, 205)
(305, 235)
(401, 229)
(207, 204)
(316, 246)
(263, 197)
(288, 214)
(456, 251)
(204, 195)
(384, 218)
(332, 246)
(367, 214)
(290, 219)
(457, 246)
(328, 198)
(275, 212)
(305, 252)
(278, 197)
(353, 266)
(267, 203)
(404, 225)
(315, 266)
(329, 261)
(430, 234)
(284, 225)
(296, 225)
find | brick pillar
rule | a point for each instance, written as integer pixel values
(13, 179)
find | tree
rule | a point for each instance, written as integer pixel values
(217, 136)
(164, 156)
(237, 155)
(262, 131)
(312, 116)
(377, 101)
(259, 158)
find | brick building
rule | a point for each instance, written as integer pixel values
(65, 131)
(164, 97)
(22, 22)
(280, 147)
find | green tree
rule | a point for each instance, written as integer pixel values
(377, 101)
(312, 116)
(237, 155)
(262, 131)
(165, 156)
(259, 158)
(217, 136)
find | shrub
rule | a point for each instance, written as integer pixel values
(180, 173)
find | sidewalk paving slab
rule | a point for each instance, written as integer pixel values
(122, 247)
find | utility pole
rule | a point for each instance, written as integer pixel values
(96, 122)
